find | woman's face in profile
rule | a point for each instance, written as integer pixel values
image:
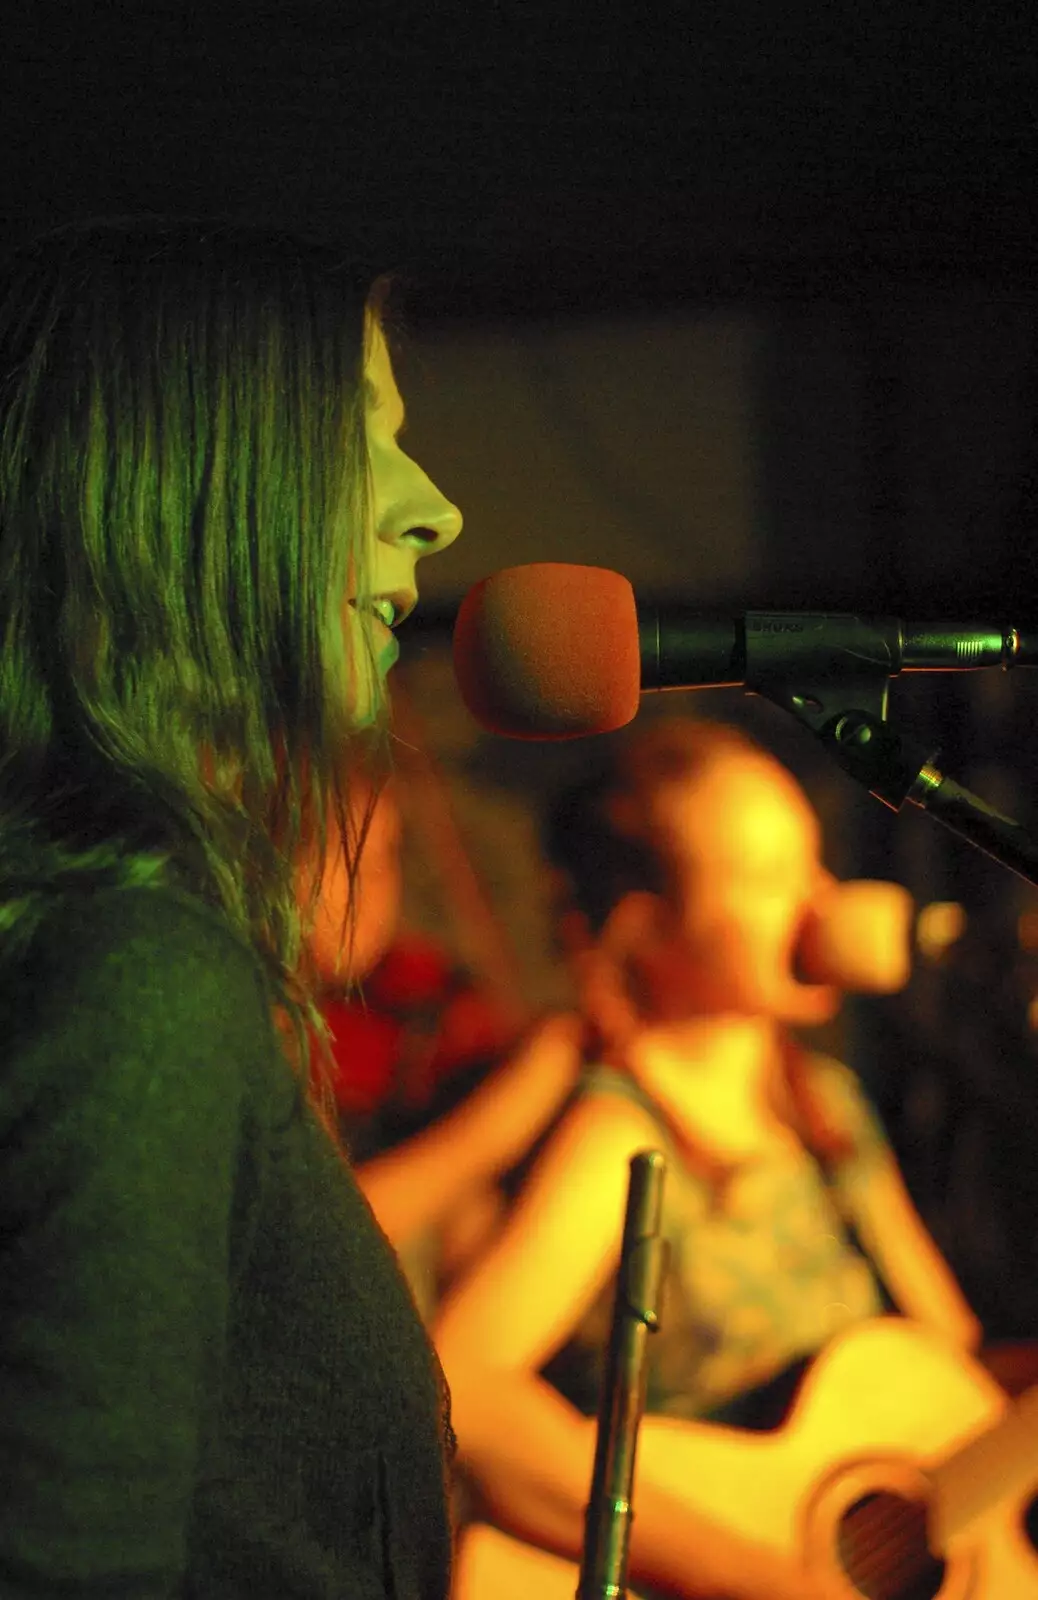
(411, 519)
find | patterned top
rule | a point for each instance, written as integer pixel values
(760, 1276)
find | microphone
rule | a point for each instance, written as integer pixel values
(860, 938)
(557, 651)
(549, 651)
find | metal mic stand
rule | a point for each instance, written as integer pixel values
(643, 1259)
(850, 719)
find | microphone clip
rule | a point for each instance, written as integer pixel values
(849, 717)
(850, 720)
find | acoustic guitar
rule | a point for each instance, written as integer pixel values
(901, 1472)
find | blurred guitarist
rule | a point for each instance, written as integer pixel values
(693, 883)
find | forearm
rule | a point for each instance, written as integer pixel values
(530, 1452)
(919, 1278)
(532, 1455)
(415, 1185)
(925, 1289)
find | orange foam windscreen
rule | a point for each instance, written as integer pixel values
(549, 651)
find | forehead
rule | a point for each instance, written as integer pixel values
(739, 807)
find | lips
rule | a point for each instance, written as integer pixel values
(401, 603)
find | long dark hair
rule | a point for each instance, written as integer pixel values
(184, 501)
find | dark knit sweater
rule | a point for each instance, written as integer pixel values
(213, 1381)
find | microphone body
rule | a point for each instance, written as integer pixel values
(680, 648)
(558, 651)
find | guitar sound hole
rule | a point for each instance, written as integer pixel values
(1030, 1520)
(883, 1549)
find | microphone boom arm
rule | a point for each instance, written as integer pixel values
(850, 719)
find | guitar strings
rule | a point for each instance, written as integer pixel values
(879, 1541)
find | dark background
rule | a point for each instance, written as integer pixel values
(864, 181)
(867, 180)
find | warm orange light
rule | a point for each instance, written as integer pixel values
(940, 925)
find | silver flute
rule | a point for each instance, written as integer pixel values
(643, 1260)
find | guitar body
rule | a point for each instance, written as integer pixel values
(886, 1405)
(886, 1411)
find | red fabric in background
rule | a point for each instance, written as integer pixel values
(416, 1006)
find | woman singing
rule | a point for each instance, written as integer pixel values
(213, 1381)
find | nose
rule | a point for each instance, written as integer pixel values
(427, 525)
(418, 514)
(439, 529)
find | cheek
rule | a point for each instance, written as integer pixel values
(742, 952)
(743, 922)
(392, 475)
(772, 983)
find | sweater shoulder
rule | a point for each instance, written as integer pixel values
(119, 989)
